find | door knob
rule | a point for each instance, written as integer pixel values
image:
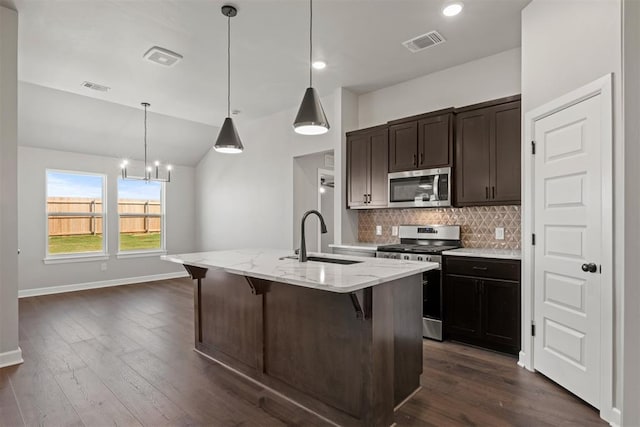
(589, 268)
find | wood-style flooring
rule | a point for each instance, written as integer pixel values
(123, 356)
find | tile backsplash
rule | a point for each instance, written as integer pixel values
(478, 224)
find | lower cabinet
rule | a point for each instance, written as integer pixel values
(481, 302)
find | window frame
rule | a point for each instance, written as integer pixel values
(78, 256)
(140, 253)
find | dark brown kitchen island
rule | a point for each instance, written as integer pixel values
(313, 332)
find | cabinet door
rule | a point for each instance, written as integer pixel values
(461, 306)
(473, 163)
(501, 314)
(435, 146)
(505, 186)
(379, 170)
(358, 155)
(403, 147)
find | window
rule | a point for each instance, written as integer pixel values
(141, 216)
(75, 214)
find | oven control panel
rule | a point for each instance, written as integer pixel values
(410, 257)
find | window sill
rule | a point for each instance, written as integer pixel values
(140, 254)
(64, 259)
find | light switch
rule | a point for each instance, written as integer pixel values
(394, 230)
(499, 233)
(378, 230)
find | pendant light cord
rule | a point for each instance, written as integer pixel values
(310, 43)
(145, 139)
(228, 65)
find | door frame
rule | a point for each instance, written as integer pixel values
(603, 87)
(319, 180)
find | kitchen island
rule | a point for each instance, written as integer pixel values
(343, 341)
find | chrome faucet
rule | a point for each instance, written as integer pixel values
(303, 246)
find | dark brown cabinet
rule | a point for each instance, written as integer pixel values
(403, 147)
(367, 167)
(421, 142)
(481, 302)
(487, 146)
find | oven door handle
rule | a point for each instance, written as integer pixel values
(436, 182)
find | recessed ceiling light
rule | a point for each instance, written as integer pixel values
(319, 65)
(452, 9)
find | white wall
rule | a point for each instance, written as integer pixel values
(9, 351)
(32, 164)
(560, 53)
(481, 80)
(631, 95)
(246, 200)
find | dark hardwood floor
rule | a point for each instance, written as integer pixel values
(123, 356)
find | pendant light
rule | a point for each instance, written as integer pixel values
(147, 169)
(311, 119)
(228, 139)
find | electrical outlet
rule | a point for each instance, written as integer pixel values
(103, 266)
(394, 230)
(499, 233)
(378, 230)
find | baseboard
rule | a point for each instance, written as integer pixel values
(614, 417)
(25, 293)
(11, 358)
(521, 357)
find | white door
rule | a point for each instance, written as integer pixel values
(568, 248)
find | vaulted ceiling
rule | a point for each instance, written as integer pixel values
(64, 43)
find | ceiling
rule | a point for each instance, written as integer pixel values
(63, 43)
(58, 120)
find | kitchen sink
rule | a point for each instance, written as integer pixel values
(332, 260)
(325, 259)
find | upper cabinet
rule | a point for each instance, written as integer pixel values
(367, 168)
(421, 142)
(487, 167)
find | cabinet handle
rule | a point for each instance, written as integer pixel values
(480, 268)
(415, 160)
(365, 198)
(493, 192)
(368, 198)
(486, 193)
(421, 158)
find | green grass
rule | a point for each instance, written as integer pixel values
(139, 241)
(89, 243)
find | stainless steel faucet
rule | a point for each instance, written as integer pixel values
(303, 246)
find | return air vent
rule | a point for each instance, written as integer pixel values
(424, 41)
(95, 86)
(161, 56)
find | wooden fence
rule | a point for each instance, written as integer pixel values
(66, 216)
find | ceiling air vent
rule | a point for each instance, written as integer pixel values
(424, 41)
(95, 86)
(162, 56)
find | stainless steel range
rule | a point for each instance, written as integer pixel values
(426, 243)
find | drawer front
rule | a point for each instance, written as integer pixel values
(483, 267)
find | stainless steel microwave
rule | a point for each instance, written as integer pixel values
(428, 188)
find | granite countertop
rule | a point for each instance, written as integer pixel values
(356, 246)
(269, 264)
(485, 253)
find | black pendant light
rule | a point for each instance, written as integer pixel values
(228, 139)
(311, 119)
